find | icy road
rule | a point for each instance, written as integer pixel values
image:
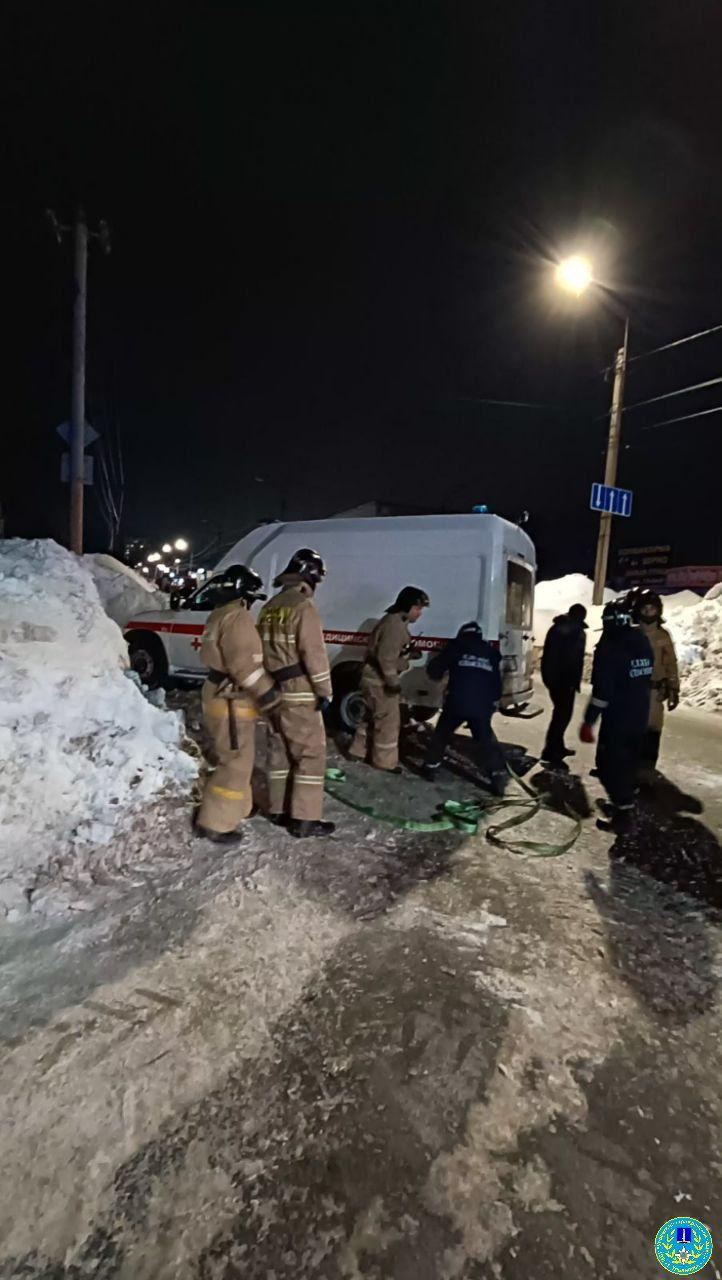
(388, 1056)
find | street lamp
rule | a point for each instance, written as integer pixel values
(574, 275)
(166, 548)
(153, 558)
(180, 544)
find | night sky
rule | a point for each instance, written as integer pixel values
(332, 229)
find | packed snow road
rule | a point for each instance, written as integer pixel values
(384, 1055)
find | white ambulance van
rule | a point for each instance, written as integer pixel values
(473, 567)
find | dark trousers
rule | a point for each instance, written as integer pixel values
(618, 756)
(488, 753)
(562, 697)
(650, 748)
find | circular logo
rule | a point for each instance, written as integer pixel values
(683, 1246)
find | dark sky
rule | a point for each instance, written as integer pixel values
(331, 234)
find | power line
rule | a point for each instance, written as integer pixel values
(679, 342)
(701, 413)
(681, 391)
(510, 404)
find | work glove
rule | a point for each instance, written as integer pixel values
(586, 733)
(673, 700)
(322, 705)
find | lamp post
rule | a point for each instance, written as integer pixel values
(575, 275)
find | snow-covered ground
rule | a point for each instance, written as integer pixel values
(81, 750)
(695, 626)
(123, 592)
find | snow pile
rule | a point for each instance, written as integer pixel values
(123, 592)
(557, 595)
(697, 634)
(81, 750)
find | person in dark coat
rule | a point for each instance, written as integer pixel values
(621, 685)
(472, 695)
(561, 667)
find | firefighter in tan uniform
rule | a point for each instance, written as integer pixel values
(647, 613)
(389, 652)
(236, 689)
(295, 656)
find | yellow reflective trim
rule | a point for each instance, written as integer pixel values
(322, 675)
(226, 793)
(298, 697)
(279, 773)
(240, 713)
(311, 782)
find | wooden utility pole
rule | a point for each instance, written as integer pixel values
(81, 236)
(77, 405)
(610, 472)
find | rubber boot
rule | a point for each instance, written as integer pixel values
(302, 828)
(217, 837)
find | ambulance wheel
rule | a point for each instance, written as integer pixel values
(351, 709)
(148, 660)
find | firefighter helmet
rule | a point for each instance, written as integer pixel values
(243, 583)
(643, 601)
(306, 565)
(616, 614)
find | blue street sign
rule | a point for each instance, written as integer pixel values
(618, 502)
(89, 435)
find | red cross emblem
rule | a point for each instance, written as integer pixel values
(195, 644)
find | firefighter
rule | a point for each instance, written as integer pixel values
(472, 696)
(562, 665)
(647, 613)
(389, 653)
(295, 656)
(621, 679)
(236, 689)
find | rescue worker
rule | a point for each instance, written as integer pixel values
(647, 613)
(295, 656)
(236, 688)
(621, 679)
(389, 653)
(472, 696)
(562, 665)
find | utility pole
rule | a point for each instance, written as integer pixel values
(610, 472)
(81, 235)
(77, 401)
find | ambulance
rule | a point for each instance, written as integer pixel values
(476, 567)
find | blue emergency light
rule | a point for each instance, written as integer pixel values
(481, 509)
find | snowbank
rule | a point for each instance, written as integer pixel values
(557, 595)
(695, 625)
(81, 750)
(123, 592)
(697, 634)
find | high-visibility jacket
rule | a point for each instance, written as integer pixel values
(231, 648)
(665, 676)
(387, 652)
(294, 649)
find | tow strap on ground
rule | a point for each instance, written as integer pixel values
(465, 816)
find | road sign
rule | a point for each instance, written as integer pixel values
(65, 468)
(644, 566)
(618, 502)
(89, 435)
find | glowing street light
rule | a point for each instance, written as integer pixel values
(574, 274)
(180, 544)
(166, 548)
(153, 558)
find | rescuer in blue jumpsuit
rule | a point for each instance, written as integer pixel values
(621, 681)
(472, 695)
